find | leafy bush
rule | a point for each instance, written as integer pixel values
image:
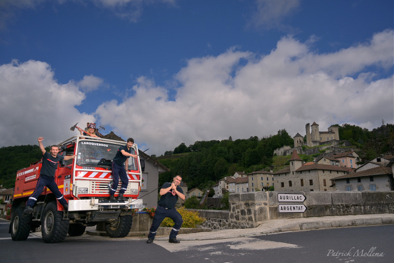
(225, 202)
(190, 219)
(192, 202)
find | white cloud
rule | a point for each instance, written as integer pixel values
(90, 83)
(34, 104)
(220, 97)
(270, 13)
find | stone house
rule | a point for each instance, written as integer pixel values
(6, 196)
(378, 178)
(228, 183)
(261, 180)
(241, 185)
(194, 192)
(347, 159)
(311, 177)
(328, 161)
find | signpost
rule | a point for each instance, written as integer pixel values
(292, 198)
(292, 208)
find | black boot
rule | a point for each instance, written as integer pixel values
(28, 210)
(65, 206)
(174, 240)
(112, 197)
(121, 197)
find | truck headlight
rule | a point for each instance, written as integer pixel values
(82, 190)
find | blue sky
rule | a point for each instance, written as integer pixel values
(172, 71)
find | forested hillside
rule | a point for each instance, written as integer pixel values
(15, 158)
(205, 162)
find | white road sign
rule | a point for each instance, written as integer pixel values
(291, 198)
(292, 208)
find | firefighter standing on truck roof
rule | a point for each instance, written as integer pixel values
(166, 208)
(118, 169)
(50, 162)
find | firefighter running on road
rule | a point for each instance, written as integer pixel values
(50, 162)
(166, 208)
(118, 169)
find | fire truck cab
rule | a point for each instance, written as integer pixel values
(84, 182)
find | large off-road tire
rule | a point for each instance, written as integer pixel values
(119, 228)
(53, 228)
(20, 224)
(76, 230)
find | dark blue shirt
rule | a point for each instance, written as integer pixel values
(50, 164)
(169, 199)
(119, 157)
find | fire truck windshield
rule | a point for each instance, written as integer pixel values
(99, 154)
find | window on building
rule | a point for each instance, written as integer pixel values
(311, 190)
(343, 160)
(310, 182)
(262, 184)
(371, 178)
(359, 187)
(282, 184)
(359, 180)
(252, 178)
(325, 189)
(272, 184)
(348, 188)
(293, 172)
(252, 184)
(272, 178)
(320, 139)
(348, 181)
(324, 182)
(268, 184)
(267, 178)
(302, 182)
(351, 161)
(372, 187)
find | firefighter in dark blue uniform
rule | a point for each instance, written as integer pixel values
(166, 208)
(118, 169)
(50, 162)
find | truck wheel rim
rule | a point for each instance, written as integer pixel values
(15, 224)
(49, 222)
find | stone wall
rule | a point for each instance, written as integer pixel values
(252, 209)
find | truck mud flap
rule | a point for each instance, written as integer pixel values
(104, 216)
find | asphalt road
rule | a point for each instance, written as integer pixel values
(344, 245)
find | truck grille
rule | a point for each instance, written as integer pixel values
(102, 187)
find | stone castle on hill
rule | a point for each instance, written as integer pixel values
(314, 137)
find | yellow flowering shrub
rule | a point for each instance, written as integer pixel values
(190, 219)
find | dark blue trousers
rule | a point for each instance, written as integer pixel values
(48, 181)
(119, 171)
(162, 213)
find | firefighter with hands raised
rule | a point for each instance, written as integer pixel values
(166, 208)
(50, 162)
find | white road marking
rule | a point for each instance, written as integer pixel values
(236, 244)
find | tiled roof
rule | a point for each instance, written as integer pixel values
(259, 172)
(295, 157)
(314, 123)
(241, 173)
(298, 135)
(389, 157)
(370, 172)
(241, 180)
(345, 154)
(325, 167)
(285, 170)
(309, 163)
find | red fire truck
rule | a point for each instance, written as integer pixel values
(84, 182)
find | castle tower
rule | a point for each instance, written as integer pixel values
(308, 135)
(315, 132)
(295, 162)
(298, 140)
(335, 130)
